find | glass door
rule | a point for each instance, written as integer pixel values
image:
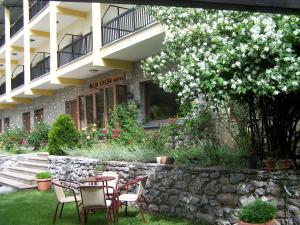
(100, 108)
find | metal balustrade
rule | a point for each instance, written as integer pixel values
(36, 7)
(18, 25)
(79, 46)
(128, 22)
(17, 77)
(40, 65)
(2, 40)
(3, 88)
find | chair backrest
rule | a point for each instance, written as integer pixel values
(142, 184)
(112, 183)
(59, 191)
(92, 196)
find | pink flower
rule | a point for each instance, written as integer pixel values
(104, 130)
(24, 142)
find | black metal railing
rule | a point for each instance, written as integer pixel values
(2, 40)
(3, 88)
(126, 23)
(17, 77)
(36, 7)
(40, 65)
(79, 46)
(18, 25)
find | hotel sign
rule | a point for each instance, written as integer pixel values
(108, 81)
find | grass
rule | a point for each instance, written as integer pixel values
(37, 208)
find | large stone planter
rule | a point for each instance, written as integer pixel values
(272, 222)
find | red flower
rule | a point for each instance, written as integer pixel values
(24, 142)
(115, 135)
(116, 131)
(104, 131)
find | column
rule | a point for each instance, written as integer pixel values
(53, 38)
(7, 50)
(97, 32)
(27, 59)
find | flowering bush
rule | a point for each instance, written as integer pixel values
(12, 139)
(38, 137)
(219, 56)
(125, 128)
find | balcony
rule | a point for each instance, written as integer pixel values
(126, 23)
(3, 88)
(18, 25)
(17, 77)
(40, 65)
(2, 40)
(79, 46)
(36, 7)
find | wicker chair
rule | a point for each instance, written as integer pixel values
(60, 186)
(94, 198)
(137, 198)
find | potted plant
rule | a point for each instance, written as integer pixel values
(98, 170)
(257, 213)
(164, 160)
(43, 181)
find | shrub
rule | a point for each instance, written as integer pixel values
(39, 136)
(114, 152)
(63, 133)
(12, 139)
(207, 153)
(43, 175)
(257, 212)
(123, 124)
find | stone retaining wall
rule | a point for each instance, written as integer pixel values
(211, 196)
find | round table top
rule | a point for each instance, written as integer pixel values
(98, 179)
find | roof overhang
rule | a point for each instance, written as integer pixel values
(268, 6)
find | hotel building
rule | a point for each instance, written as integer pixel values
(77, 58)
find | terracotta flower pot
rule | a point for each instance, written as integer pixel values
(43, 184)
(271, 222)
(269, 164)
(284, 164)
(164, 160)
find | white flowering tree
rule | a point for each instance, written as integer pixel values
(224, 56)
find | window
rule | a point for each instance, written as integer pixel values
(72, 109)
(94, 107)
(26, 121)
(6, 123)
(38, 115)
(159, 105)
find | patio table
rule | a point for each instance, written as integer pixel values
(98, 179)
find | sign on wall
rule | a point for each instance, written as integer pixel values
(108, 81)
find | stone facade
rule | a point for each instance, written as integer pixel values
(211, 196)
(55, 105)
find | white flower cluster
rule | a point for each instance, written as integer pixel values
(219, 55)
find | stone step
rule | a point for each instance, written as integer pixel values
(25, 170)
(15, 184)
(34, 165)
(37, 159)
(27, 179)
(43, 154)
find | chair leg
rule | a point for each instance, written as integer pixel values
(78, 212)
(82, 218)
(62, 209)
(126, 208)
(108, 215)
(142, 214)
(54, 218)
(85, 216)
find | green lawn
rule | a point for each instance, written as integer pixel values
(37, 208)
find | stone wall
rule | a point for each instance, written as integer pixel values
(211, 196)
